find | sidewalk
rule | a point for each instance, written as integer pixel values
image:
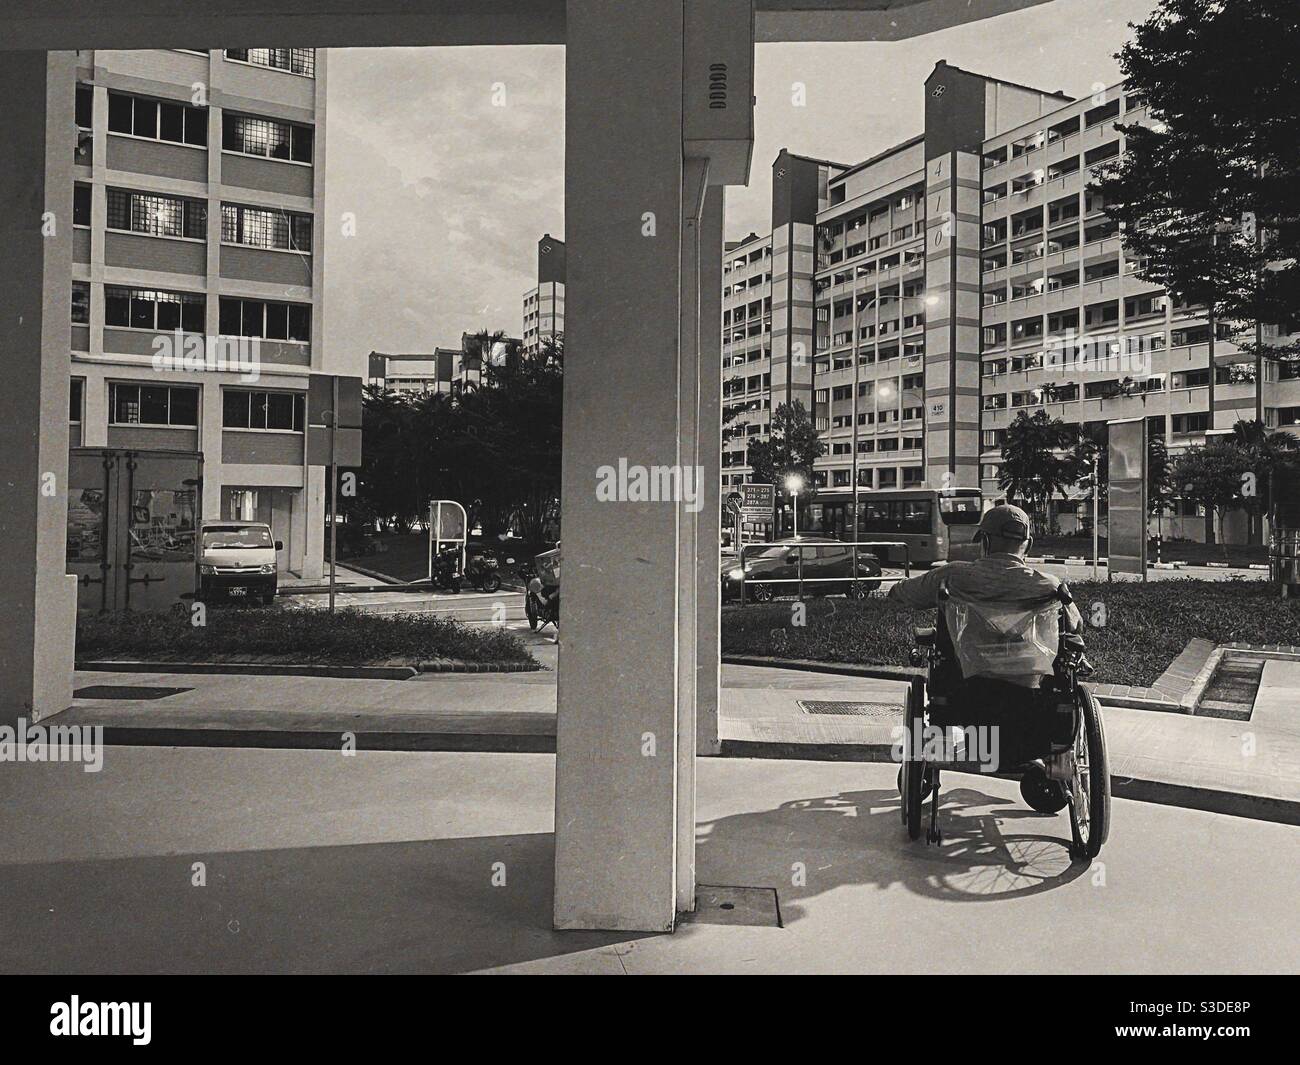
(1242, 767)
(384, 862)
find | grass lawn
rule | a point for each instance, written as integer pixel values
(349, 637)
(1193, 554)
(405, 556)
(1134, 630)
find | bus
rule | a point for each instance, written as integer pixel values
(937, 524)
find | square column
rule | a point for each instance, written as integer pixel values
(709, 520)
(616, 818)
(38, 607)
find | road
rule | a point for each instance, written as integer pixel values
(507, 608)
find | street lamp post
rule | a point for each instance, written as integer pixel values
(793, 485)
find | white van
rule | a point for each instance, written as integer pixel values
(237, 561)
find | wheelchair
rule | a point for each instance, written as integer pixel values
(1058, 723)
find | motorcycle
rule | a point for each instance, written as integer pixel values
(481, 572)
(446, 575)
(542, 597)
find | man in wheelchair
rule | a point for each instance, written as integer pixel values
(1003, 628)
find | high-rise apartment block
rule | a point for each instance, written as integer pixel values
(544, 304)
(924, 297)
(197, 273)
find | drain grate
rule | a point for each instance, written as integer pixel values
(878, 711)
(754, 906)
(126, 691)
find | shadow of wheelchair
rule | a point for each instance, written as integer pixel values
(994, 848)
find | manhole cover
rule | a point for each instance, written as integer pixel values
(755, 906)
(879, 711)
(126, 691)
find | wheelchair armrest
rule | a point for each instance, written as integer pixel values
(924, 635)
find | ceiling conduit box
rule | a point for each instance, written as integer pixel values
(718, 88)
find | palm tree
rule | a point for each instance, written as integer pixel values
(1265, 451)
(1031, 468)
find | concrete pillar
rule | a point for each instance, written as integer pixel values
(39, 602)
(695, 174)
(616, 745)
(709, 520)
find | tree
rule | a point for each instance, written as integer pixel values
(792, 446)
(1264, 453)
(1208, 194)
(1160, 485)
(1032, 469)
(494, 449)
(1213, 476)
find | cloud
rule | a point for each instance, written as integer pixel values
(450, 192)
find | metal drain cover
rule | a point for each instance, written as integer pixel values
(879, 711)
(126, 691)
(754, 906)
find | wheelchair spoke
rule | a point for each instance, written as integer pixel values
(1082, 784)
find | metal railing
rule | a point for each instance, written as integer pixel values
(852, 577)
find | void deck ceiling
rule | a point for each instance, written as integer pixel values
(63, 24)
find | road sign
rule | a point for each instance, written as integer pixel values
(322, 402)
(734, 502)
(758, 502)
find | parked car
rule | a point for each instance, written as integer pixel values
(237, 561)
(827, 567)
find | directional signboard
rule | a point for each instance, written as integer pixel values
(757, 502)
(1127, 522)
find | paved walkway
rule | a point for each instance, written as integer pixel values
(384, 862)
(1195, 761)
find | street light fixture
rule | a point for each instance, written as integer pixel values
(794, 485)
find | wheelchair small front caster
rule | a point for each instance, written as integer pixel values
(933, 835)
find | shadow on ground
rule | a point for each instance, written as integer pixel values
(426, 906)
(993, 848)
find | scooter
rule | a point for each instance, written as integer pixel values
(445, 574)
(542, 594)
(542, 604)
(481, 572)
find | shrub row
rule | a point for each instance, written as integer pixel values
(349, 637)
(1134, 630)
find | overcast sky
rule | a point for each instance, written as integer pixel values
(451, 160)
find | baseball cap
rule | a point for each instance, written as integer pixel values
(1011, 523)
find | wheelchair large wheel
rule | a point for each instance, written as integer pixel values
(1090, 788)
(913, 773)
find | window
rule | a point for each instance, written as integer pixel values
(84, 107)
(153, 405)
(294, 60)
(80, 303)
(136, 308)
(259, 318)
(160, 216)
(157, 120)
(260, 227)
(81, 205)
(74, 400)
(241, 409)
(264, 136)
(1191, 423)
